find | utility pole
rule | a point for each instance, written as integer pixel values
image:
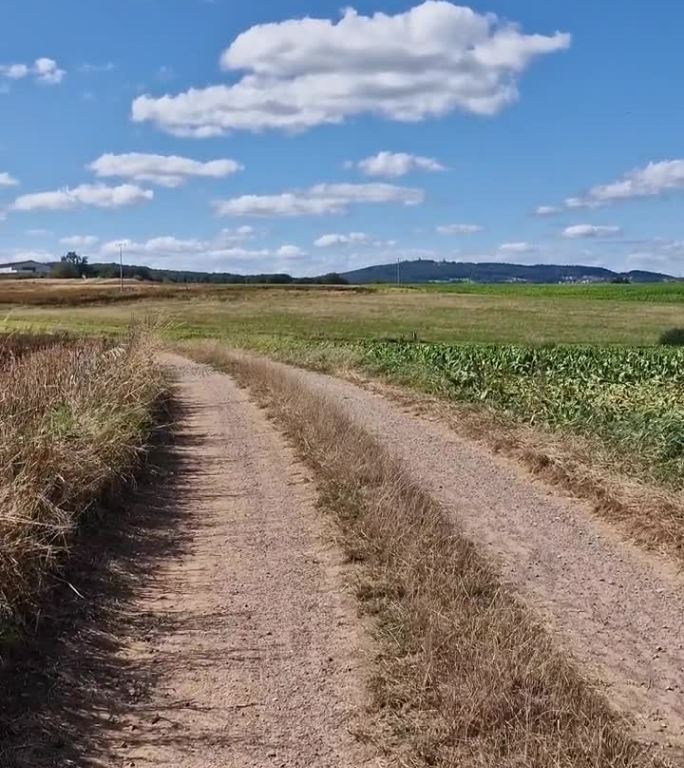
(398, 276)
(121, 266)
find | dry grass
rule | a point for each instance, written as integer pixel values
(73, 421)
(466, 676)
(71, 293)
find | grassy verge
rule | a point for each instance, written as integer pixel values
(74, 418)
(466, 676)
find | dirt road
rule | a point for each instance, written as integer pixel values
(619, 611)
(251, 635)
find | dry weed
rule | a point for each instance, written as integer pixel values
(73, 421)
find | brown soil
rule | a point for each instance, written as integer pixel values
(618, 611)
(238, 645)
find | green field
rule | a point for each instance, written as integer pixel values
(657, 292)
(490, 314)
(580, 358)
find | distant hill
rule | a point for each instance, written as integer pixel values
(426, 271)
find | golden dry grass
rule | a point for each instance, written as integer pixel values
(74, 418)
(466, 676)
(71, 293)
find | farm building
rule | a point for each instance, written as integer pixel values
(25, 268)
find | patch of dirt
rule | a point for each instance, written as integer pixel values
(237, 643)
(618, 610)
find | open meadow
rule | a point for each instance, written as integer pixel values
(582, 314)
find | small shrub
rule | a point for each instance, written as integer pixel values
(673, 337)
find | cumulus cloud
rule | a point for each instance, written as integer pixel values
(395, 164)
(520, 247)
(228, 243)
(166, 170)
(293, 75)
(458, 229)
(655, 179)
(85, 195)
(43, 70)
(590, 230)
(318, 200)
(353, 238)
(226, 251)
(290, 252)
(548, 210)
(79, 241)
(7, 181)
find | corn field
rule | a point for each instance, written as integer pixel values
(631, 398)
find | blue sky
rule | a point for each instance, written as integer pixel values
(212, 134)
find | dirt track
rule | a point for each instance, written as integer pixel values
(239, 645)
(251, 626)
(619, 611)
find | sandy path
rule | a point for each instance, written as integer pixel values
(252, 638)
(619, 611)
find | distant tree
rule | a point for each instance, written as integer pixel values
(79, 263)
(64, 270)
(143, 273)
(620, 279)
(333, 278)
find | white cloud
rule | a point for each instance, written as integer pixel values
(654, 179)
(167, 170)
(14, 71)
(353, 238)
(290, 252)
(521, 247)
(590, 230)
(300, 73)
(220, 253)
(548, 210)
(79, 241)
(458, 229)
(47, 71)
(226, 244)
(43, 70)
(651, 181)
(395, 164)
(95, 195)
(7, 181)
(318, 200)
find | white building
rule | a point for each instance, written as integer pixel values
(25, 269)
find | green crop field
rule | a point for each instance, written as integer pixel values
(631, 398)
(657, 292)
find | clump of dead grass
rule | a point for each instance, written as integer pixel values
(74, 418)
(466, 676)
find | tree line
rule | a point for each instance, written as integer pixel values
(71, 266)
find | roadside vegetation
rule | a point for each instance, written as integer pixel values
(466, 675)
(75, 415)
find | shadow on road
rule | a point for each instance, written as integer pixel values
(69, 685)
